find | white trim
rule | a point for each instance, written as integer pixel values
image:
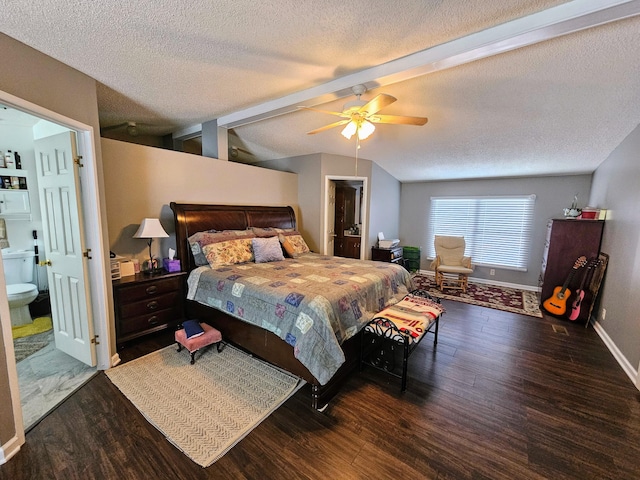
(10, 448)
(115, 359)
(617, 354)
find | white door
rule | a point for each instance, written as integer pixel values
(331, 218)
(63, 236)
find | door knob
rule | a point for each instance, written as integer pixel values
(45, 263)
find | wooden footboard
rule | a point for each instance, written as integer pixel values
(273, 349)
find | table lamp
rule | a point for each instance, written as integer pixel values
(151, 228)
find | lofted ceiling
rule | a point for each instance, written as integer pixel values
(510, 87)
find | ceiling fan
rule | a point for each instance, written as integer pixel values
(133, 128)
(360, 116)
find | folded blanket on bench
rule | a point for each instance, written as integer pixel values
(413, 315)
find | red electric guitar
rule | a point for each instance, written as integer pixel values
(577, 302)
(556, 304)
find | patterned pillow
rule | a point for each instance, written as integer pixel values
(293, 244)
(269, 231)
(267, 249)
(199, 240)
(229, 252)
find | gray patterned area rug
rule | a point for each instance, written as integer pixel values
(206, 408)
(26, 346)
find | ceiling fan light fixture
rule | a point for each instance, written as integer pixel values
(349, 130)
(132, 129)
(365, 129)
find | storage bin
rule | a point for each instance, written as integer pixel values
(411, 258)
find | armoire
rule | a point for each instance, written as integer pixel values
(567, 240)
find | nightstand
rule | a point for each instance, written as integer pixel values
(391, 255)
(147, 303)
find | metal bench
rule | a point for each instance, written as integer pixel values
(404, 324)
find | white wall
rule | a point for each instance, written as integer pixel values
(141, 181)
(552, 195)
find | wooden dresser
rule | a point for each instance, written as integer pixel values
(566, 241)
(147, 303)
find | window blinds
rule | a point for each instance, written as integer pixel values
(497, 230)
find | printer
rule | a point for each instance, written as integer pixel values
(384, 243)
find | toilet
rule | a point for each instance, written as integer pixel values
(18, 272)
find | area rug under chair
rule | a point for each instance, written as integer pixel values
(206, 408)
(513, 300)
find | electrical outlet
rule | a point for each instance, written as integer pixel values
(492, 271)
(604, 313)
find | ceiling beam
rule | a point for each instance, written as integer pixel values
(545, 25)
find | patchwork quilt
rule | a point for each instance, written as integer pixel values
(313, 302)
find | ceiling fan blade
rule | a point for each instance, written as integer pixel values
(327, 127)
(377, 103)
(114, 127)
(339, 114)
(397, 119)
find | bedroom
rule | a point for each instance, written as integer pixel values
(613, 186)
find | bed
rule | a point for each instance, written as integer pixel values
(311, 326)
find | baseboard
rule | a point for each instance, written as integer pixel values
(631, 372)
(530, 288)
(9, 449)
(115, 360)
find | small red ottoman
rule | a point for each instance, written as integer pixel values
(209, 337)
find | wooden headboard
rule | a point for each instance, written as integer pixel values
(191, 218)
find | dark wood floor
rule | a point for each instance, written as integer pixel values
(502, 396)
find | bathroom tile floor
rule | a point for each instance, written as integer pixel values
(47, 378)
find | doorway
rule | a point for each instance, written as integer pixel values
(97, 268)
(351, 239)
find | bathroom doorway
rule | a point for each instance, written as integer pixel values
(48, 376)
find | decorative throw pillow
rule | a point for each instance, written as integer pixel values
(266, 231)
(267, 249)
(293, 244)
(199, 240)
(229, 252)
(192, 329)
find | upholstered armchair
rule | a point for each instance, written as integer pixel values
(451, 267)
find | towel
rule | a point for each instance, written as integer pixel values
(4, 241)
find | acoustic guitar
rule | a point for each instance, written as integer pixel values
(556, 304)
(577, 302)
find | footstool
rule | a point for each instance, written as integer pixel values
(209, 337)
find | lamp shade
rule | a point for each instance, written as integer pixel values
(365, 129)
(150, 228)
(349, 130)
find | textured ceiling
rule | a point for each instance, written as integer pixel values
(556, 107)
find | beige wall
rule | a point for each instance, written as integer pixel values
(141, 181)
(39, 79)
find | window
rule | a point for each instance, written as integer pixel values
(497, 230)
